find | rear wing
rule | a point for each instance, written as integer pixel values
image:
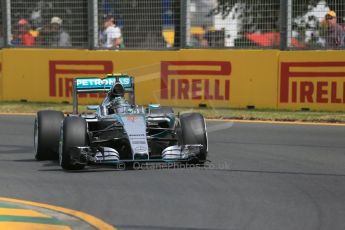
(101, 85)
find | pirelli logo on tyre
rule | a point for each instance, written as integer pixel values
(61, 74)
(312, 82)
(195, 80)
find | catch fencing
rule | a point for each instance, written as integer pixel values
(2, 42)
(308, 27)
(170, 24)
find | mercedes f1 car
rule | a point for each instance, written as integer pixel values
(119, 131)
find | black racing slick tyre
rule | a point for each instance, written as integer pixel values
(193, 131)
(73, 134)
(46, 134)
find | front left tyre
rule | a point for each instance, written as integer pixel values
(46, 134)
(73, 134)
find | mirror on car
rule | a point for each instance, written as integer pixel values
(92, 107)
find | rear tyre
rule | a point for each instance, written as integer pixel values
(73, 134)
(193, 131)
(46, 134)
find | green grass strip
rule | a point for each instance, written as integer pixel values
(28, 219)
(234, 113)
(9, 206)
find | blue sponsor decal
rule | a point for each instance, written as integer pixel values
(106, 83)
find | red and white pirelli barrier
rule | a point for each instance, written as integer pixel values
(216, 78)
(314, 80)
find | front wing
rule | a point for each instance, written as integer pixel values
(105, 155)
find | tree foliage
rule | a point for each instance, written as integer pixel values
(264, 16)
(266, 13)
(256, 16)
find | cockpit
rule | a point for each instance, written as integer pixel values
(117, 102)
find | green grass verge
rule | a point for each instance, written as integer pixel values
(239, 114)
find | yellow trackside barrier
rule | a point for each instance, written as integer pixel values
(215, 78)
(312, 79)
(1, 85)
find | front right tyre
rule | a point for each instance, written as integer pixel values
(73, 134)
(193, 131)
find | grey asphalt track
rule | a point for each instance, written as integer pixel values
(262, 176)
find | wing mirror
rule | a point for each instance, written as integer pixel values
(92, 107)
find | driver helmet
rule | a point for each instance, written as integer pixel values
(117, 90)
(120, 105)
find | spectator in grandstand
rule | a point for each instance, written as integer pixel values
(335, 32)
(58, 36)
(198, 40)
(22, 35)
(198, 37)
(207, 35)
(111, 35)
(45, 35)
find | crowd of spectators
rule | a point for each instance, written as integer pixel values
(51, 34)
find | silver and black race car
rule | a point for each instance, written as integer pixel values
(119, 131)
